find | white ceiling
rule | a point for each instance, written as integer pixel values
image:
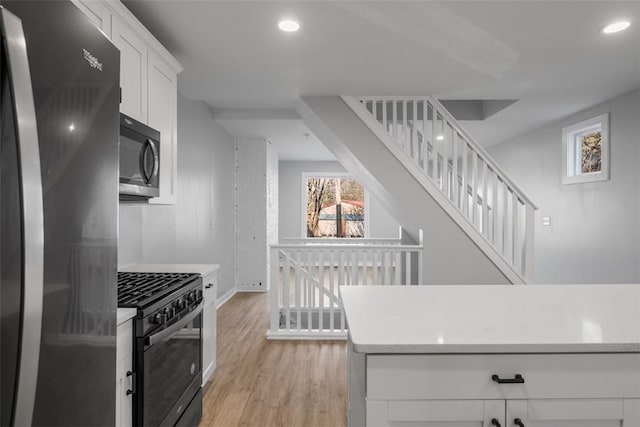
(547, 54)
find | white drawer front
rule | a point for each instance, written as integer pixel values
(124, 340)
(470, 376)
(210, 286)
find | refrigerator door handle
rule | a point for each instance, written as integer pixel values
(33, 216)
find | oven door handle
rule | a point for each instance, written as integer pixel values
(167, 332)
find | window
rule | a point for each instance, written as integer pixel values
(335, 206)
(586, 151)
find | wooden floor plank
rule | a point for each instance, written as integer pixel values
(263, 383)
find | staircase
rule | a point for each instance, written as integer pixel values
(431, 175)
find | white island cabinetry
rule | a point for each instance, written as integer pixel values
(124, 367)
(210, 277)
(561, 356)
(148, 80)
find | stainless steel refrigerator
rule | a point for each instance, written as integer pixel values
(59, 124)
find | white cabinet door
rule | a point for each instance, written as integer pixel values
(97, 13)
(436, 413)
(124, 378)
(133, 70)
(210, 284)
(162, 111)
(573, 413)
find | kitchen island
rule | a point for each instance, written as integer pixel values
(537, 355)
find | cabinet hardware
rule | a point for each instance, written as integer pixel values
(518, 379)
(209, 286)
(518, 422)
(495, 422)
(132, 390)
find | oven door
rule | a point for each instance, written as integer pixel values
(171, 371)
(139, 164)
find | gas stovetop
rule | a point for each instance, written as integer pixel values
(140, 290)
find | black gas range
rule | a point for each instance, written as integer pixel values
(168, 346)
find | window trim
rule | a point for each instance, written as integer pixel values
(303, 200)
(569, 151)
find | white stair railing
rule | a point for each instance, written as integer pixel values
(305, 279)
(458, 172)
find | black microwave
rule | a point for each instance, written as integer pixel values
(139, 160)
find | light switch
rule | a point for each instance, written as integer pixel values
(546, 221)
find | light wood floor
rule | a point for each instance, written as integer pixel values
(263, 383)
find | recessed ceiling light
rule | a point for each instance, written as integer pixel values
(440, 137)
(615, 27)
(289, 26)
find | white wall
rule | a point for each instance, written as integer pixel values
(292, 217)
(200, 227)
(594, 232)
(251, 214)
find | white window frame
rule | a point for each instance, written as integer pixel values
(571, 163)
(303, 200)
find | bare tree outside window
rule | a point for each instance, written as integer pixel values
(335, 208)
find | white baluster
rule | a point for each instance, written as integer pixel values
(332, 290)
(415, 155)
(485, 201)
(275, 305)
(454, 179)
(286, 292)
(404, 126)
(384, 116)
(298, 290)
(321, 295)
(464, 197)
(474, 190)
(398, 267)
(394, 132)
(530, 231)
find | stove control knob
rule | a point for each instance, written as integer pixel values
(180, 304)
(192, 296)
(156, 319)
(167, 313)
(199, 294)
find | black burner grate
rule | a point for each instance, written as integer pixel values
(141, 289)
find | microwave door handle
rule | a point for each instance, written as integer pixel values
(165, 333)
(19, 75)
(143, 164)
(156, 159)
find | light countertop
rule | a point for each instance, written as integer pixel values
(493, 318)
(125, 314)
(203, 269)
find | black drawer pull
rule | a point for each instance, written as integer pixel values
(209, 286)
(518, 422)
(495, 422)
(515, 380)
(132, 390)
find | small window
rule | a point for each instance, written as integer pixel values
(586, 151)
(335, 207)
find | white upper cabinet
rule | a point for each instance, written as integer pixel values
(162, 111)
(99, 14)
(148, 79)
(133, 71)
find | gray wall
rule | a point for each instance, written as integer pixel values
(291, 216)
(200, 227)
(594, 232)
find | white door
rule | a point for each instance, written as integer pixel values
(436, 413)
(133, 71)
(573, 413)
(162, 113)
(97, 13)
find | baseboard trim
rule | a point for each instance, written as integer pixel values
(226, 297)
(252, 290)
